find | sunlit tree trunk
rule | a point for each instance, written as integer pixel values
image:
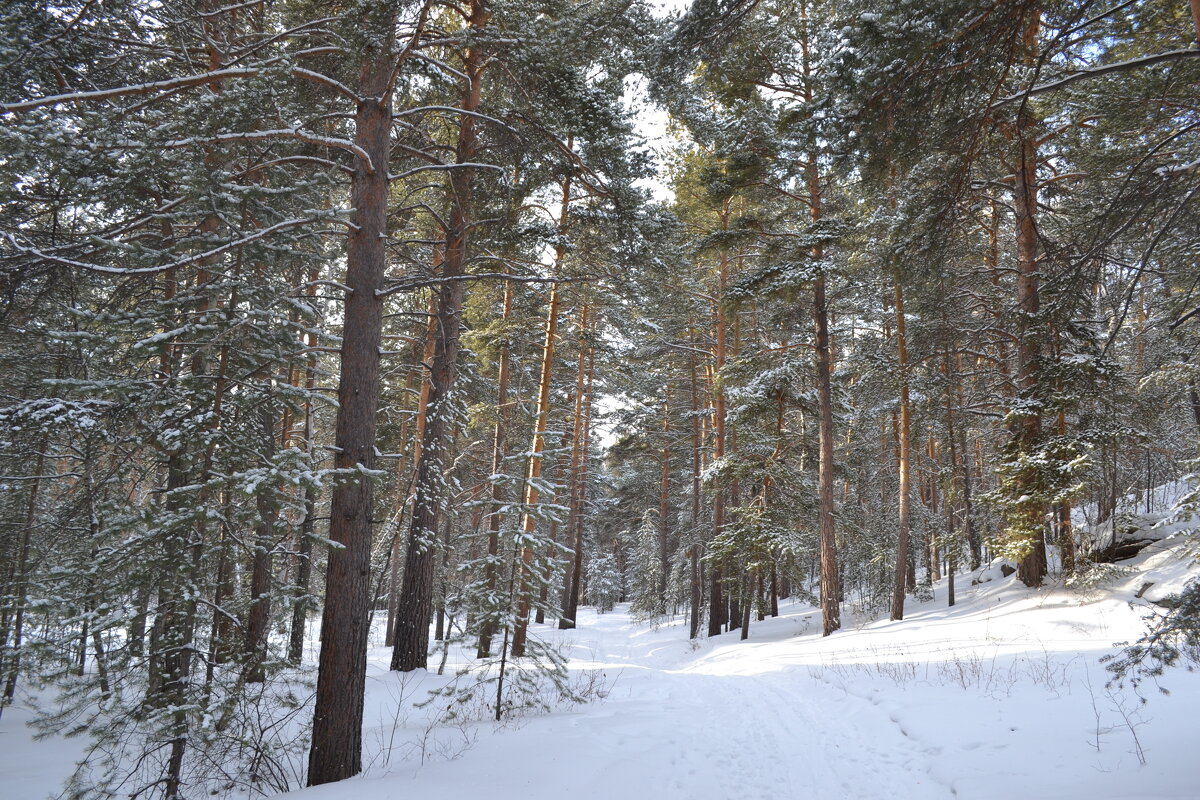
(534, 473)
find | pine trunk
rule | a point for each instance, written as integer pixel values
(831, 613)
(534, 473)
(415, 606)
(664, 500)
(258, 621)
(904, 433)
(576, 525)
(336, 749)
(571, 588)
(694, 551)
(499, 450)
(1027, 424)
(21, 582)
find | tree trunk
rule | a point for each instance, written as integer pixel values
(694, 550)
(499, 449)
(1063, 531)
(830, 589)
(255, 645)
(904, 432)
(664, 500)
(416, 595)
(951, 499)
(224, 624)
(303, 576)
(439, 629)
(571, 588)
(973, 540)
(405, 489)
(1027, 424)
(336, 749)
(750, 582)
(1193, 395)
(21, 579)
(174, 626)
(575, 530)
(718, 612)
(560, 470)
(534, 473)
(934, 558)
(774, 591)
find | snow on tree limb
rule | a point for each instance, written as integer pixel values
(1133, 63)
(283, 133)
(216, 251)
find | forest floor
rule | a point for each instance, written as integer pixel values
(1002, 695)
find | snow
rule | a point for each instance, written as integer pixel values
(30, 770)
(1002, 695)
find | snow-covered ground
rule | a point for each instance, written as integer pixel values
(1001, 696)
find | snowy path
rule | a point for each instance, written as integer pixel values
(677, 727)
(1001, 696)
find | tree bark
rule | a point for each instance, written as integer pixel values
(694, 551)
(1194, 396)
(255, 645)
(21, 579)
(499, 450)
(534, 473)
(575, 527)
(904, 432)
(664, 500)
(336, 749)
(1063, 530)
(830, 589)
(223, 644)
(303, 576)
(416, 596)
(718, 611)
(404, 491)
(1027, 423)
(830, 580)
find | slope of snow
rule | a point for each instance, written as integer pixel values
(1002, 695)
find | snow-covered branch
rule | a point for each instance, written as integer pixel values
(1133, 63)
(404, 287)
(427, 167)
(455, 110)
(213, 253)
(282, 133)
(134, 89)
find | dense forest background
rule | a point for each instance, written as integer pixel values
(349, 310)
